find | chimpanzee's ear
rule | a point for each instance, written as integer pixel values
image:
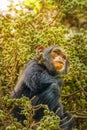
(39, 54)
(40, 49)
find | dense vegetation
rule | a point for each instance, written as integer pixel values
(58, 22)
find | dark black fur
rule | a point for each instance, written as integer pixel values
(42, 81)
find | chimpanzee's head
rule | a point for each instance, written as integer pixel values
(55, 60)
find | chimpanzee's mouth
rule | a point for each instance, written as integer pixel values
(60, 62)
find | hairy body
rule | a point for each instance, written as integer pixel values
(44, 81)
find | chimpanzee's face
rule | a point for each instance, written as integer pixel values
(58, 58)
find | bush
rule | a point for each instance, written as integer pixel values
(19, 38)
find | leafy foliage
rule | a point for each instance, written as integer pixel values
(56, 22)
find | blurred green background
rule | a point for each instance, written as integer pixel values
(43, 22)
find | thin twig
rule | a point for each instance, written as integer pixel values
(72, 93)
(57, 111)
(79, 115)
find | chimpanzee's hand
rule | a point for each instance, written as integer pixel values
(67, 121)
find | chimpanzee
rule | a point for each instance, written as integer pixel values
(42, 78)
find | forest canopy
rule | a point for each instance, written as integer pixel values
(43, 22)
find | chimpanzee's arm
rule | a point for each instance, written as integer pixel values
(47, 91)
(32, 84)
(39, 82)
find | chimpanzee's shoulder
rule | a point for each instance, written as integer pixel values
(33, 66)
